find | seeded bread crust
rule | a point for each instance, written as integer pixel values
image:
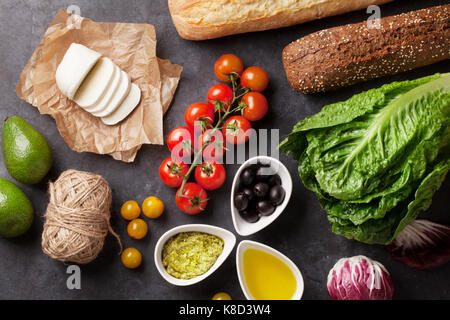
(343, 56)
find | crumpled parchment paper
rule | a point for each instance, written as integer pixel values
(133, 48)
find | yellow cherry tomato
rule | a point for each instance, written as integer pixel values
(153, 207)
(131, 258)
(221, 296)
(137, 228)
(130, 210)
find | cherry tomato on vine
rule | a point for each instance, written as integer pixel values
(193, 200)
(180, 142)
(219, 92)
(210, 175)
(172, 171)
(196, 112)
(237, 130)
(257, 106)
(255, 78)
(228, 63)
(215, 145)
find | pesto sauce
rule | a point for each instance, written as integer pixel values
(190, 254)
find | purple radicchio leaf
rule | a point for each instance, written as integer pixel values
(359, 278)
(422, 245)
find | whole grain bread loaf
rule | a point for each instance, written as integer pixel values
(342, 56)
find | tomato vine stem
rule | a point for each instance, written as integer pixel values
(223, 115)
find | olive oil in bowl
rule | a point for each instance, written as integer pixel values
(266, 274)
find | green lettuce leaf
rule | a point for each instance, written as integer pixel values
(369, 158)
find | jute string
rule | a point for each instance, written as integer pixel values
(77, 217)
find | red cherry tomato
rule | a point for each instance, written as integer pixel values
(196, 112)
(193, 200)
(237, 130)
(255, 78)
(257, 106)
(228, 63)
(172, 171)
(219, 92)
(215, 147)
(180, 142)
(210, 175)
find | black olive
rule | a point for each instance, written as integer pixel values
(265, 207)
(247, 177)
(276, 195)
(248, 192)
(255, 166)
(274, 180)
(261, 189)
(240, 201)
(249, 215)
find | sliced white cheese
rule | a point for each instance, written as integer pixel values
(104, 101)
(96, 83)
(74, 67)
(118, 97)
(127, 106)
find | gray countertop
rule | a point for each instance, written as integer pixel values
(302, 232)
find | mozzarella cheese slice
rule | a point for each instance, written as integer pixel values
(74, 67)
(110, 91)
(121, 93)
(96, 83)
(127, 106)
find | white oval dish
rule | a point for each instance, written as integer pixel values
(245, 228)
(229, 242)
(247, 244)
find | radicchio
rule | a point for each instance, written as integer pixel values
(359, 278)
(422, 245)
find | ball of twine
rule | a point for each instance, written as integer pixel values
(77, 217)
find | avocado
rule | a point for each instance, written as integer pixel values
(26, 153)
(16, 210)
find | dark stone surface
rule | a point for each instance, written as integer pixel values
(302, 232)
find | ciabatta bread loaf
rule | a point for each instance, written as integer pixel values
(207, 19)
(342, 56)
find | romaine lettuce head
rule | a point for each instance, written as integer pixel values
(376, 160)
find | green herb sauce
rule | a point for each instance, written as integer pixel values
(190, 254)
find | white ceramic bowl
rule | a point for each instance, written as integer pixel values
(245, 228)
(247, 244)
(229, 242)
